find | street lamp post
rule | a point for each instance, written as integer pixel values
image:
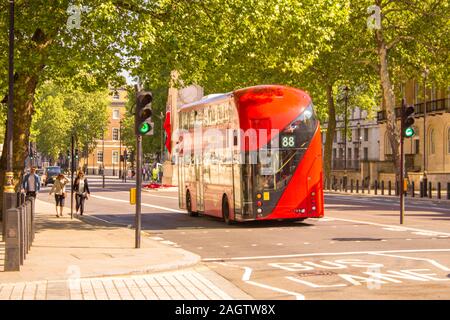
(425, 180)
(120, 149)
(346, 88)
(103, 160)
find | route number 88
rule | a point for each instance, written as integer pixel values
(288, 142)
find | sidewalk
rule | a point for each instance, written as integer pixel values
(71, 259)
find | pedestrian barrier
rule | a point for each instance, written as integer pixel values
(357, 186)
(20, 232)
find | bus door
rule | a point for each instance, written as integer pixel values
(181, 188)
(199, 183)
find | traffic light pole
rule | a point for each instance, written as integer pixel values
(138, 182)
(402, 164)
(138, 189)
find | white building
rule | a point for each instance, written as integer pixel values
(362, 140)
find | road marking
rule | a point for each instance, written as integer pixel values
(143, 204)
(168, 242)
(390, 226)
(254, 245)
(322, 254)
(384, 201)
(154, 195)
(279, 244)
(156, 238)
(433, 262)
(246, 279)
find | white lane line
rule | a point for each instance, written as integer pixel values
(156, 238)
(154, 195)
(143, 204)
(433, 262)
(391, 226)
(389, 202)
(323, 254)
(246, 279)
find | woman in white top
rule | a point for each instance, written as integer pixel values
(59, 188)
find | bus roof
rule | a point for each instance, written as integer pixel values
(218, 97)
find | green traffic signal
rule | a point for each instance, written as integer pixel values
(144, 128)
(409, 132)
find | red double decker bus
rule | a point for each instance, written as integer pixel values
(251, 154)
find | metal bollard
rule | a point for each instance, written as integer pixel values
(389, 187)
(376, 187)
(362, 186)
(22, 234)
(413, 192)
(448, 190)
(368, 187)
(345, 186)
(357, 186)
(382, 187)
(351, 186)
(430, 190)
(397, 191)
(421, 189)
(439, 190)
(12, 241)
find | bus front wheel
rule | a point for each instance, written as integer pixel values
(189, 205)
(226, 210)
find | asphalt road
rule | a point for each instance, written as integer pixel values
(358, 251)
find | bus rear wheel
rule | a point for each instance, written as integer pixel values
(226, 210)
(189, 205)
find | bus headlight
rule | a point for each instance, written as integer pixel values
(314, 208)
(259, 210)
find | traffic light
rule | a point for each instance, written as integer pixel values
(407, 122)
(143, 116)
(76, 154)
(68, 154)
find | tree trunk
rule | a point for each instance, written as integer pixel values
(331, 129)
(389, 102)
(24, 88)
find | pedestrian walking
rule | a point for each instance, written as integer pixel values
(81, 188)
(155, 173)
(59, 189)
(31, 183)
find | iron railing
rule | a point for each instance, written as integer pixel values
(433, 107)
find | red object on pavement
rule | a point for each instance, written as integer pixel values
(156, 185)
(167, 129)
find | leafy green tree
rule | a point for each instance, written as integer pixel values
(61, 112)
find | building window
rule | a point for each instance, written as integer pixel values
(335, 136)
(366, 134)
(115, 136)
(116, 114)
(115, 157)
(432, 146)
(349, 153)
(416, 91)
(366, 153)
(448, 140)
(99, 156)
(335, 153)
(356, 153)
(416, 146)
(387, 145)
